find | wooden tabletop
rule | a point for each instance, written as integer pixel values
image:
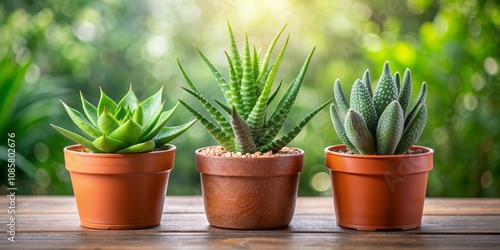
(51, 222)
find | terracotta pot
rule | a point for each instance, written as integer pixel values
(249, 193)
(119, 191)
(379, 192)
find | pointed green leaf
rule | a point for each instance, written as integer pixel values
(339, 128)
(129, 101)
(287, 138)
(107, 123)
(420, 99)
(242, 134)
(280, 113)
(108, 145)
(121, 112)
(223, 139)
(223, 106)
(143, 147)
(128, 132)
(90, 110)
(234, 84)
(186, 78)
(82, 122)
(386, 90)
(397, 80)
(151, 108)
(214, 112)
(358, 133)
(167, 134)
(151, 132)
(138, 115)
(105, 103)
(226, 91)
(265, 62)
(413, 131)
(235, 54)
(275, 93)
(363, 104)
(257, 117)
(340, 99)
(390, 128)
(255, 67)
(77, 138)
(248, 95)
(368, 82)
(405, 93)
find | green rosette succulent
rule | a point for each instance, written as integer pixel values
(378, 123)
(128, 126)
(243, 124)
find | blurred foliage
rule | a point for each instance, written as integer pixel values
(56, 48)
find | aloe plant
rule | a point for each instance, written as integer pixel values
(378, 123)
(244, 125)
(128, 126)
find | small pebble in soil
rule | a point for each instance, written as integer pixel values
(220, 151)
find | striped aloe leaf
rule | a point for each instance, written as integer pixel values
(381, 115)
(251, 81)
(127, 127)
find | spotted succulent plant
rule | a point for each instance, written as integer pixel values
(378, 123)
(127, 127)
(244, 124)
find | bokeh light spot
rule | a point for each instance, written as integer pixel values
(320, 182)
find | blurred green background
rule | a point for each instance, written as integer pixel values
(50, 50)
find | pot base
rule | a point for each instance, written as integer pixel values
(118, 227)
(379, 228)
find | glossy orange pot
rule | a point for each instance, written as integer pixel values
(249, 193)
(119, 191)
(379, 192)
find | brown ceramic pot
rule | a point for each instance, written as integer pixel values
(379, 192)
(119, 191)
(249, 193)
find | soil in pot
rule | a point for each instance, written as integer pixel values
(249, 191)
(379, 192)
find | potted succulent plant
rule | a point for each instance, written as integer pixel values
(250, 180)
(379, 178)
(120, 176)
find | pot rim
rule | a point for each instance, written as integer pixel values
(74, 149)
(386, 165)
(328, 150)
(154, 162)
(249, 167)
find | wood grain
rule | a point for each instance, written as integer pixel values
(52, 222)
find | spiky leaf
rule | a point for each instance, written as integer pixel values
(265, 62)
(226, 91)
(386, 90)
(242, 134)
(158, 124)
(105, 103)
(413, 131)
(248, 94)
(89, 109)
(128, 132)
(363, 104)
(390, 128)
(358, 133)
(138, 115)
(108, 145)
(340, 99)
(167, 134)
(420, 99)
(368, 82)
(287, 138)
(235, 54)
(129, 100)
(138, 148)
(151, 108)
(397, 80)
(82, 122)
(405, 93)
(77, 138)
(234, 84)
(107, 123)
(223, 139)
(339, 128)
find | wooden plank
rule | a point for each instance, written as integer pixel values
(305, 205)
(247, 240)
(432, 224)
